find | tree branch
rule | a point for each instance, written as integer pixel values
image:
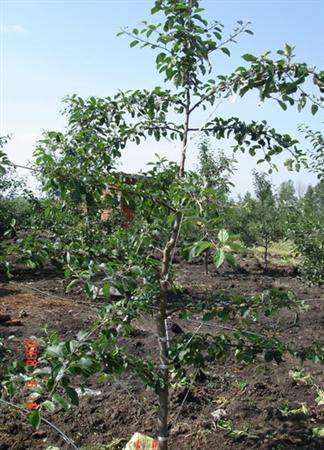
(230, 39)
(152, 44)
(202, 99)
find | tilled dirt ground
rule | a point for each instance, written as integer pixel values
(251, 396)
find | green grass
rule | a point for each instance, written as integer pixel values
(280, 253)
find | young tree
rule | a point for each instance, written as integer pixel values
(186, 44)
(267, 215)
(306, 224)
(259, 220)
(16, 201)
(306, 229)
(4, 161)
(287, 194)
(316, 154)
(214, 172)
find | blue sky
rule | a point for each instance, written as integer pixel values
(52, 48)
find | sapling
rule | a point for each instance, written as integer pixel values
(99, 129)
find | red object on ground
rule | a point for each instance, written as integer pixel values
(31, 383)
(31, 358)
(31, 403)
(31, 352)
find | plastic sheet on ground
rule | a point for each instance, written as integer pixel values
(141, 442)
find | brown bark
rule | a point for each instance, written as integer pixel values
(185, 136)
(163, 393)
(266, 257)
(168, 253)
(206, 258)
(165, 286)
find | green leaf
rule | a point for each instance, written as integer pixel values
(34, 419)
(283, 105)
(106, 290)
(314, 109)
(223, 236)
(72, 345)
(236, 246)
(198, 248)
(72, 393)
(219, 257)
(318, 432)
(50, 406)
(72, 284)
(226, 51)
(250, 58)
(82, 334)
(42, 371)
(85, 363)
(231, 259)
(61, 401)
(208, 316)
(181, 6)
(55, 350)
(132, 44)
(288, 50)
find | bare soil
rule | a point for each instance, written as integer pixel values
(251, 396)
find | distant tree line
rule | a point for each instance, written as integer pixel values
(268, 214)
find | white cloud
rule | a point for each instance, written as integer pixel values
(12, 29)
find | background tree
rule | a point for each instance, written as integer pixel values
(306, 224)
(213, 187)
(286, 199)
(260, 220)
(316, 153)
(287, 194)
(306, 229)
(215, 168)
(4, 161)
(17, 202)
(83, 149)
(269, 224)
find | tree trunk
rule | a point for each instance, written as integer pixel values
(165, 288)
(266, 258)
(163, 393)
(206, 258)
(185, 136)
(161, 319)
